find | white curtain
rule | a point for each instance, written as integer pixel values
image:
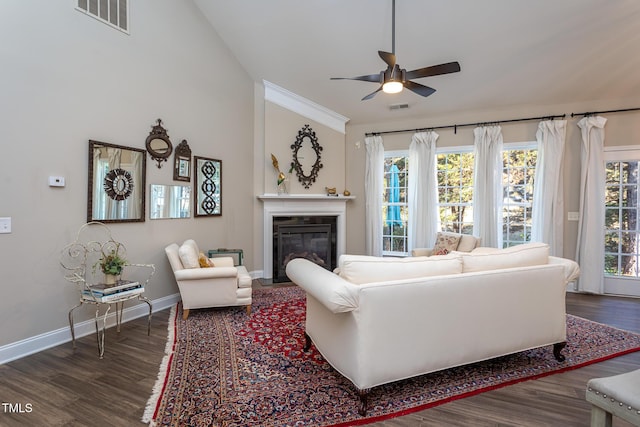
(590, 249)
(423, 190)
(548, 198)
(113, 209)
(135, 201)
(487, 185)
(373, 188)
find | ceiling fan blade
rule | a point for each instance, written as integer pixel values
(374, 78)
(418, 88)
(435, 70)
(388, 58)
(372, 94)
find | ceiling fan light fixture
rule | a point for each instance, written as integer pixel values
(392, 87)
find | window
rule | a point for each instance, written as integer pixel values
(394, 204)
(455, 194)
(455, 191)
(518, 172)
(114, 13)
(621, 219)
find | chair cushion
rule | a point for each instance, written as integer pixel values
(446, 242)
(467, 243)
(188, 253)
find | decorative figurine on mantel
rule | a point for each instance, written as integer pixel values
(283, 180)
(331, 191)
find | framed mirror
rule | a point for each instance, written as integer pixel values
(158, 144)
(306, 156)
(182, 162)
(116, 183)
(169, 201)
(207, 186)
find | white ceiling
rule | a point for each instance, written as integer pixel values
(512, 52)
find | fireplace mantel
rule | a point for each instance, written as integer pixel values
(302, 197)
(275, 205)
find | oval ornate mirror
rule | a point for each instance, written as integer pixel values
(158, 144)
(306, 156)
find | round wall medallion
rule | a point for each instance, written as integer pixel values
(118, 184)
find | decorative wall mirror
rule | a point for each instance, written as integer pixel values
(182, 163)
(306, 156)
(158, 144)
(207, 186)
(116, 183)
(169, 201)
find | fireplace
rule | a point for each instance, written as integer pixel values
(309, 237)
(276, 207)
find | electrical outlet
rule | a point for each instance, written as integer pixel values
(573, 216)
(5, 225)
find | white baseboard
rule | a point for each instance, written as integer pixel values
(50, 339)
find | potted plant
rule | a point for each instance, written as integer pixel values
(111, 265)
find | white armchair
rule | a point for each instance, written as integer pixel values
(221, 285)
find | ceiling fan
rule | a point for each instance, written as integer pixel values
(394, 78)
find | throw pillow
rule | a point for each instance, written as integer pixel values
(204, 261)
(188, 253)
(445, 243)
(441, 251)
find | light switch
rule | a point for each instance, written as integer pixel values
(5, 225)
(573, 216)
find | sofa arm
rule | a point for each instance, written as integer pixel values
(571, 268)
(421, 252)
(205, 273)
(335, 293)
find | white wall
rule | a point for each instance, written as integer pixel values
(67, 78)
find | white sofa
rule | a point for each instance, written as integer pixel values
(221, 284)
(380, 320)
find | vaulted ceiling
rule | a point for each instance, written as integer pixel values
(511, 52)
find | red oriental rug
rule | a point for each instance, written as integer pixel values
(224, 368)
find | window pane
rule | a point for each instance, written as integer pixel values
(395, 208)
(621, 219)
(612, 218)
(455, 191)
(517, 177)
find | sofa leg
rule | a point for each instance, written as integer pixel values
(364, 394)
(185, 313)
(557, 348)
(249, 310)
(307, 343)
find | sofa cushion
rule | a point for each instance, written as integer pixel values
(515, 256)
(359, 269)
(188, 253)
(446, 242)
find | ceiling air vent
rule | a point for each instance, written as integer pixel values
(398, 106)
(114, 13)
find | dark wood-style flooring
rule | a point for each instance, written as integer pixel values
(66, 387)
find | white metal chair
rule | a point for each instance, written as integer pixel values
(81, 259)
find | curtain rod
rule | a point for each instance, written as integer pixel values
(604, 112)
(455, 127)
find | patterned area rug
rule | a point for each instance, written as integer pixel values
(224, 368)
